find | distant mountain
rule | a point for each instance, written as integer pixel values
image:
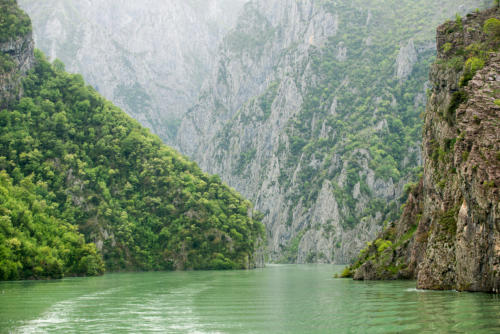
(148, 57)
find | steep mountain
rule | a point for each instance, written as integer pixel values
(71, 163)
(148, 57)
(449, 234)
(313, 113)
(34, 243)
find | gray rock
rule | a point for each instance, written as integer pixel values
(149, 57)
(20, 51)
(406, 59)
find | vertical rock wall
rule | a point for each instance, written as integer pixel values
(18, 52)
(449, 234)
(295, 115)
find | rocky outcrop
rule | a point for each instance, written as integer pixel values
(16, 59)
(407, 57)
(289, 120)
(20, 49)
(454, 211)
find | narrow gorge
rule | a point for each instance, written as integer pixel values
(241, 166)
(314, 113)
(311, 109)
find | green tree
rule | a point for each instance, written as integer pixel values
(492, 27)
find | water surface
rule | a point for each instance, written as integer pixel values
(276, 299)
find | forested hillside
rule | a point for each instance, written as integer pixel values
(34, 243)
(315, 113)
(73, 163)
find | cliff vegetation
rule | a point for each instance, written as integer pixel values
(13, 21)
(448, 236)
(315, 112)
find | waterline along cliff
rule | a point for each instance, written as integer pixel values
(314, 110)
(84, 188)
(448, 236)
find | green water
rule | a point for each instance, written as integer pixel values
(277, 299)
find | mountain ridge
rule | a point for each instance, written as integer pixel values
(85, 186)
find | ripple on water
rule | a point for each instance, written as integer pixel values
(278, 299)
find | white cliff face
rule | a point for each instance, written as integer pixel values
(148, 57)
(315, 172)
(407, 57)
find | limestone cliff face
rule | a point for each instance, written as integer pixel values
(149, 57)
(232, 133)
(288, 120)
(17, 59)
(310, 108)
(449, 234)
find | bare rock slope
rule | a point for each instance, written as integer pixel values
(149, 57)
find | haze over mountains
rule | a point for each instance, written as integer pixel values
(149, 57)
(84, 187)
(310, 108)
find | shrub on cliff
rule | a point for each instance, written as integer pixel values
(13, 21)
(492, 27)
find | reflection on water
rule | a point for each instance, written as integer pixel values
(277, 299)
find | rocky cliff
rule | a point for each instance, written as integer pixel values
(148, 57)
(16, 52)
(449, 234)
(313, 113)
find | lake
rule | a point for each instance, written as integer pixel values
(275, 299)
